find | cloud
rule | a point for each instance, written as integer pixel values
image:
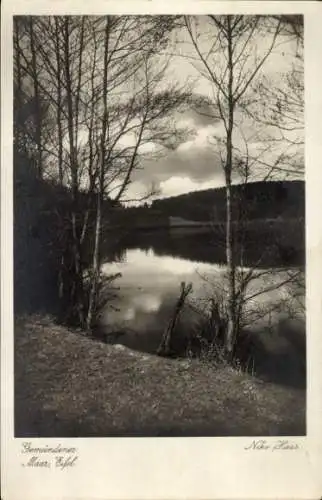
(196, 161)
(195, 158)
(180, 185)
(194, 165)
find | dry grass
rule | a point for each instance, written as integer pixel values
(69, 385)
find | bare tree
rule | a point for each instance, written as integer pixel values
(231, 66)
(104, 81)
(30, 106)
(142, 115)
(280, 106)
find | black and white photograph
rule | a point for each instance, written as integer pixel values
(159, 226)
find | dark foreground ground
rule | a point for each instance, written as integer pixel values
(67, 385)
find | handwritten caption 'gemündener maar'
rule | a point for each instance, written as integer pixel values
(48, 456)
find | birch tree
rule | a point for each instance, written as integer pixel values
(140, 115)
(104, 79)
(231, 67)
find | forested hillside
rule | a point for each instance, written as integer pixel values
(259, 200)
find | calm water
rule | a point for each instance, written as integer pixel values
(150, 284)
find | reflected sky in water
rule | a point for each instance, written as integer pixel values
(150, 285)
(150, 282)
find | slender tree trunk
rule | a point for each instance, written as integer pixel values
(96, 253)
(91, 141)
(231, 269)
(61, 277)
(96, 264)
(78, 289)
(59, 103)
(38, 117)
(18, 100)
(79, 76)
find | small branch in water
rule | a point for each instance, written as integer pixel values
(164, 348)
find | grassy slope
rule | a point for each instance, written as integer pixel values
(73, 386)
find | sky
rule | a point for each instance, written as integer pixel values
(195, 164)
(196, 161)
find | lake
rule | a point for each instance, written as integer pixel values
(152, 269)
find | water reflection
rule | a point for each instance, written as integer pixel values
(149, 286)
(150, 283)
(265, 248)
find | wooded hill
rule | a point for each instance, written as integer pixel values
(256, 200)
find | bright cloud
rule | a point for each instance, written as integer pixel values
(179, 185)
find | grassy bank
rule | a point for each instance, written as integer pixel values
(69, 385)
